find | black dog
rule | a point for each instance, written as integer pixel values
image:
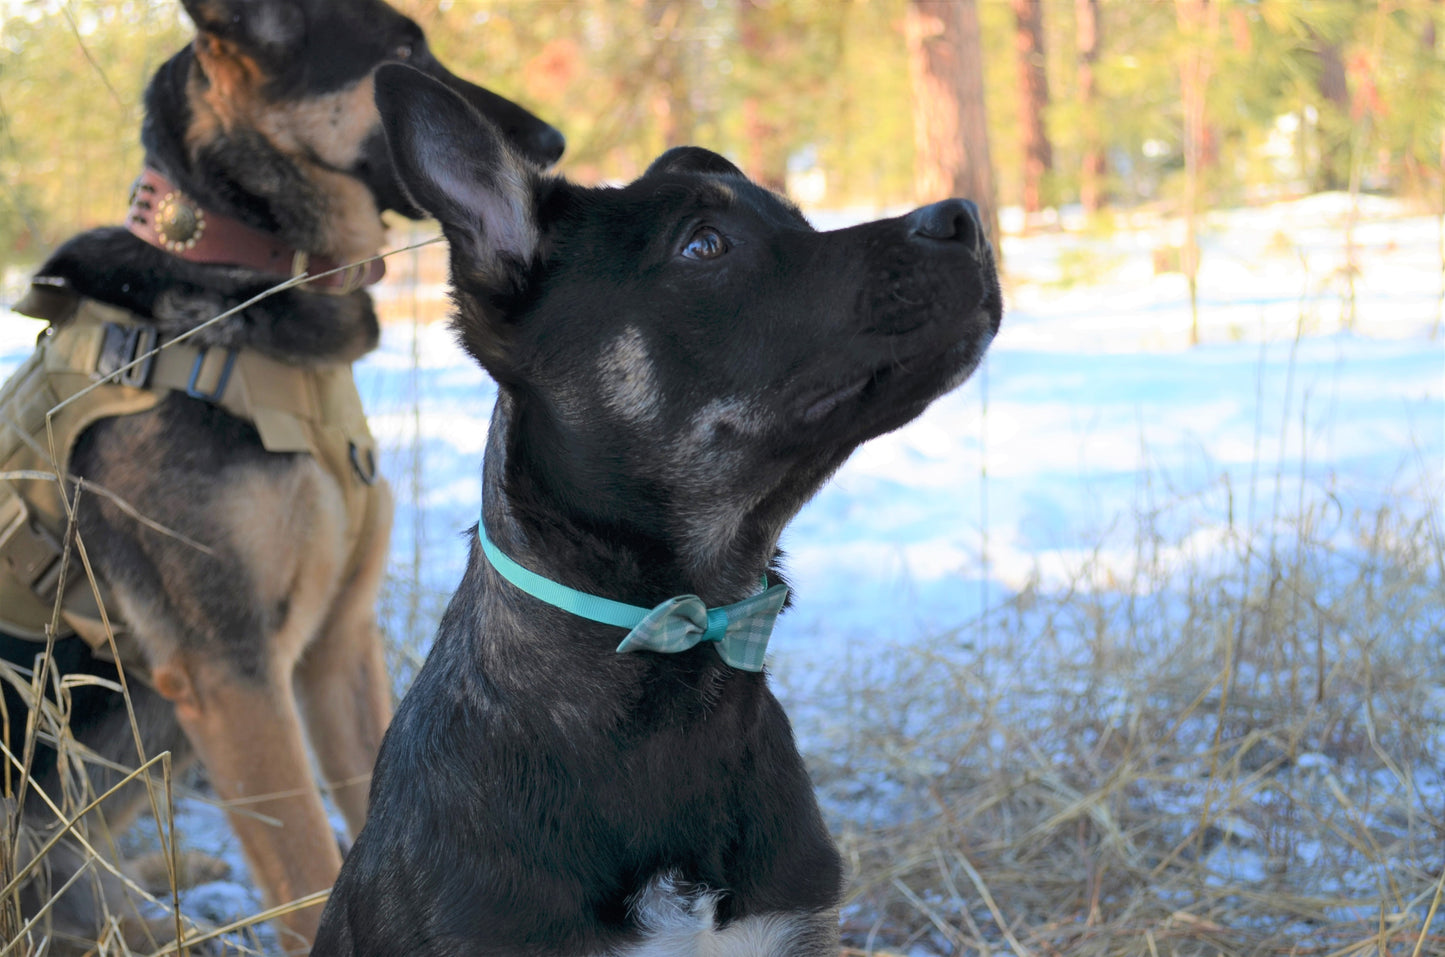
(681, 363)
(242, 578)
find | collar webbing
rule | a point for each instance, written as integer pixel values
(579, 603)
(739, 632)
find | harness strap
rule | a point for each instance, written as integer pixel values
(303, 409)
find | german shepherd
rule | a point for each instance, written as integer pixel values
(265, 637)
(681, 363)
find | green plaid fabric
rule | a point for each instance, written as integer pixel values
(740, 631)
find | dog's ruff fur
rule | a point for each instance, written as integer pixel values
(267, 640)
(681, 363)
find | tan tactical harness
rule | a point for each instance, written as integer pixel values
(312, 409)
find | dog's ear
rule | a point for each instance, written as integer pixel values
(459, 168)
(692, 159)
(266, 28)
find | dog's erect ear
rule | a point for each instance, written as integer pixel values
(265, 27)
(459, 168)
(692, 159)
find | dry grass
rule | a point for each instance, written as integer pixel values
(78, 826)
(1242, 754)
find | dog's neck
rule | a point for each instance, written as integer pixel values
(165, 216)
(242, 174)
(625, 568)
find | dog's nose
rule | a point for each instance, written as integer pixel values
(548, 145)
(951, 221)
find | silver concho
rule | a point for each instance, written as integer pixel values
(178, 223)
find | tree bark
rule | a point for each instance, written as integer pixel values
(949, 118)
(1033, 80)
(764, 160)
(1093, 168)
(1198, 25)
(1334, 87)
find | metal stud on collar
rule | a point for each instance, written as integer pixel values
(178, 223)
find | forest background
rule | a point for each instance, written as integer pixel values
(1188, 104)
(1220, 728)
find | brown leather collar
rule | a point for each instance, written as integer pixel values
(167, 218)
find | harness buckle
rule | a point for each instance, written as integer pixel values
(30, 552)
(219, 389)
(366, 473)
(127, 354)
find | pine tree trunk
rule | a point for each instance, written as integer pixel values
(1092, 168)
(1197, 29)
(763, 160)
(949, 120)
(1334, 87)
(1033, 79)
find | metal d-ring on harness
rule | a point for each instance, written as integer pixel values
(310, 409)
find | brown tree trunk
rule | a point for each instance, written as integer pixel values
(764, 159)
(1033, 80)
(1198, 24)
(949, 120)
(1092, 167)
(1334, 87)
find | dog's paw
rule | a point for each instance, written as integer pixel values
(152, 871)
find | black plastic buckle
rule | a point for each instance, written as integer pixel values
(220, 388)
(367, 474)
(126, 354)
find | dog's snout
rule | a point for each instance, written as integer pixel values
(548, 145)
(950, 221)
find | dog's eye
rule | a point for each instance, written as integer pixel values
(706, 243)
(403, 52)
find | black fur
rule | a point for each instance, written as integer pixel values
(682, 362)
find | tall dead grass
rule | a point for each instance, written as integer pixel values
(1234, 753)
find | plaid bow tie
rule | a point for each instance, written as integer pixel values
(739, 631)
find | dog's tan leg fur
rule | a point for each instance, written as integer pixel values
(250, 741)
(246, 727)
(342, 679)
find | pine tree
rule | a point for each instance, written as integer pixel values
(1033, 101)
(950, 119)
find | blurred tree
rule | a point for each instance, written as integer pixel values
(763, 159)
(950, 120)
(1333, 171)
(1199, 27)
(71, 78)
(1033, 105)
(1092, 163)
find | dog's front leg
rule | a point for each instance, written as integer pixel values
(342, 679)
(248, 734)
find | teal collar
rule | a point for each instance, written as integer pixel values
(739, 631)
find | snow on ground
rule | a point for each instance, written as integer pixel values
(1090, 412)
(1090, 408)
